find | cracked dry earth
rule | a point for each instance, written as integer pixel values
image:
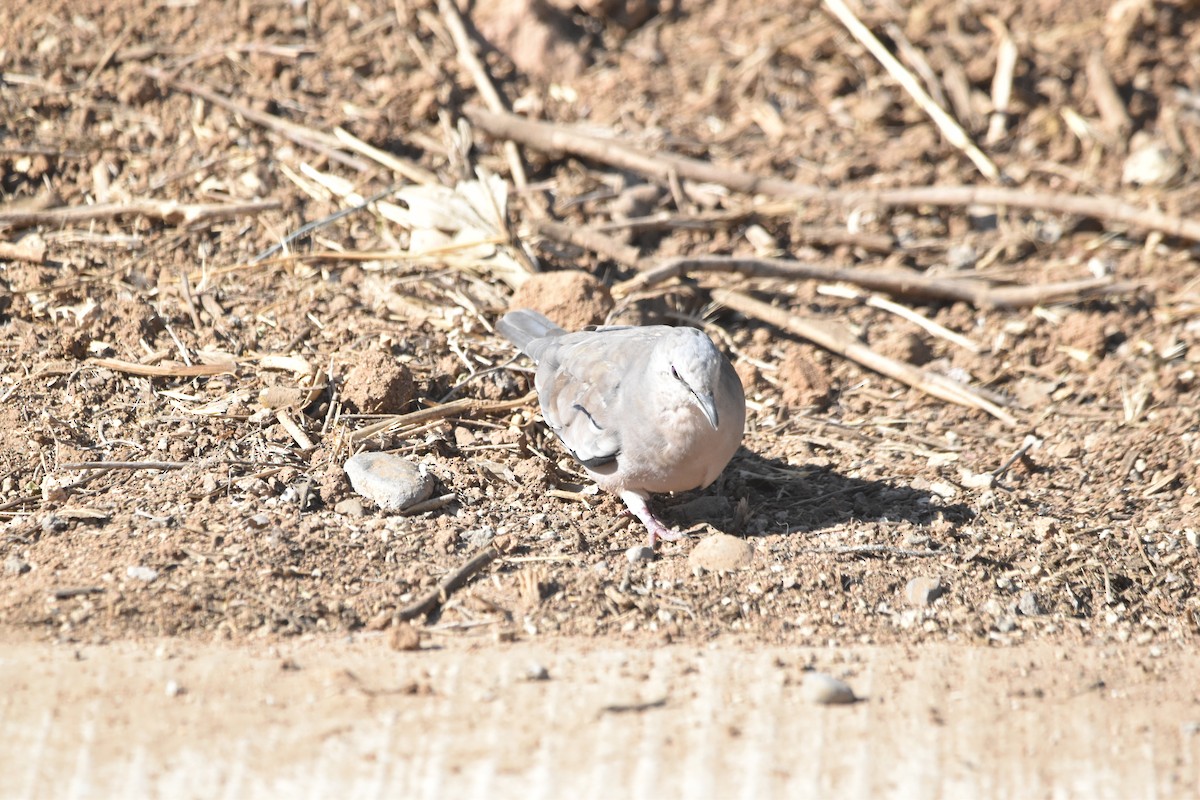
(1015, 605)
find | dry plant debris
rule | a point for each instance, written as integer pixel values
(204, 227)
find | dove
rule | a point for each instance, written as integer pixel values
(645, 409)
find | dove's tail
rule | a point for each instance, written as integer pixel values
(524, 326)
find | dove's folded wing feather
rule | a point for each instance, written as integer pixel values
(581, 381)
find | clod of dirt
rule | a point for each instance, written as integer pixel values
(923, 590)
(377, 384)
(805, 383)
(405, 637)
(721, 553)
(904, 346)
(827, 690)
(571, 298)
(538, 37)
(1081, 332)
(392, 482)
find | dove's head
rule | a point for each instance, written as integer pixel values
(695, 364)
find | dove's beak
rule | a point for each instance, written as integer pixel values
(708, 404)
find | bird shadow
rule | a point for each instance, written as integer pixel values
(757, 495)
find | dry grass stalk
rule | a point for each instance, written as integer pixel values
(164, 370)
(401, 166)
(168, 211)
(553, 138)
(1114, 116)
(466, 407)
(1002, 82)
(841, 342)
(311, 138)
(883, 304)
(895, 282)
(483, 82)
(953, 132)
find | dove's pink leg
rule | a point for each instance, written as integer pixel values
(637, 504)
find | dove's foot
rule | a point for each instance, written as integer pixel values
(636, 501)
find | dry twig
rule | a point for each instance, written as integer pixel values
(448, 585)
(164, 370)
(483, 82)
(953, 132)
(895, 282)
(466, 407)
(553, 138)
(840, 341)
(168, 211)
(318, 141)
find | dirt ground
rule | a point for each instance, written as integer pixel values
(181, 384)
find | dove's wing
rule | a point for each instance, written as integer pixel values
(587, 383)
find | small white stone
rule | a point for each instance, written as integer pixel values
(392, 482)
(146, 574)
(639, 553)
(827, 690)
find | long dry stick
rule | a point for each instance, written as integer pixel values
(838, 340)
(448, 585)
(553, 138)
(467, 406)
(895, 282)
(401, 166)
(945, 123)
(163, 370)
(318, 141)
(168, 211)
(483, 82)
(1113, 114)
(590, 239)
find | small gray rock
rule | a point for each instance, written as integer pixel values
(146, 574)
(537, 672)
(721, 553)
(350, 507)
(15, 565)
(1029, 605)
(392, 482)
(923, 590)
(827, 690)
(640, 553)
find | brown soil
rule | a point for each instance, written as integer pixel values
(849, 485)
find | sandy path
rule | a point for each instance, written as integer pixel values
(327, 718)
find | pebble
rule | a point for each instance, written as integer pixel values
(827, 690)
(721, 553)
(15, 565)
(1150, 163)
(1029, 605)
(405, 636)
(923, 590)
(392, 482)
(146, 574)
(537, 672)
(350, 507)
(639, 553)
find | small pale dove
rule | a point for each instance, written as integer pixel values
(643, 409)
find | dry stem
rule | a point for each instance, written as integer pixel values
(838, 340)
(553, 138)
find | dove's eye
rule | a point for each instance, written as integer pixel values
(675, 373)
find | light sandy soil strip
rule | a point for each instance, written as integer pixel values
(352, 718)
